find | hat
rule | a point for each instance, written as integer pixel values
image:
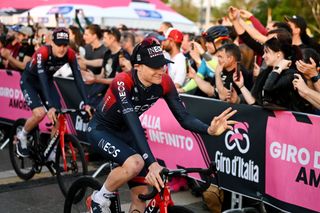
(156, 35)
(174, 35)
(149, 53)
(60, 36)
(25, 31)
(298, 21)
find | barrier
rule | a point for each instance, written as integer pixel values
(270, 156)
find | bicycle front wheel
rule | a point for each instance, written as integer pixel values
(75, 168)
(79, 191)
(23, 166)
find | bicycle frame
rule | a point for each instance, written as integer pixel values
(62, 128)
(161, 201)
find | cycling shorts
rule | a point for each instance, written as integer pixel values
(33, 94)
(113, 145)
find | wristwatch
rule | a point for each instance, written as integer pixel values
(316, 78)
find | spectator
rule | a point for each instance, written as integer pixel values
(127, 41)
(300, 37)
(12, 45)
(26, 49)
(229, 57)
(172, 45)
(273, 88)
(164, 27)
(76, 40)
(110, 65)
(214, 37)
(94, 50)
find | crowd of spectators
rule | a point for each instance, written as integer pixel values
(238, 60)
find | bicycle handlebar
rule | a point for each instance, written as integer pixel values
(182, 172)
(85, 116)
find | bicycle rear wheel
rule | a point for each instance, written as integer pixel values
(75, 169)
(23, 166)
(79, 191)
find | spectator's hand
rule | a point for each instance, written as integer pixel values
(232, 96)
(191, 72)
(238, 80)
(220, 123)
(125, 64)
(5, 53)
(245, 14)
(198, 48)
(283, 64)
(256, 70)
(233, 13)
(88, 76)
(299, 84)
(180, 90)
(52, 115)
(153, 177)
(219, 68)
(194, 53)
(308, 70)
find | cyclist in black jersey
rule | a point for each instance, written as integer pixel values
(116, 132)
(38, 87)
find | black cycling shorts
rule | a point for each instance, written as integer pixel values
(113, 145)
(33, 94)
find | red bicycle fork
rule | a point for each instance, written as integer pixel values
(62, 131)
(161, 201)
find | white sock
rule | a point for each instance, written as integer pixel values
(98, 197)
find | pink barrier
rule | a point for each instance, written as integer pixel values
(293, 160)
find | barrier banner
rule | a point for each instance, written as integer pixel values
(238, 153)
(269, 156)
(293, 160)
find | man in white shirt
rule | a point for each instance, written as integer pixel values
(172, 44)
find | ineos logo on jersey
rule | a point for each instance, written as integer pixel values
(237, 139)
(142, 108)
(108, 147)
(121, 88)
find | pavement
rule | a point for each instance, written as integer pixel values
(42, 194)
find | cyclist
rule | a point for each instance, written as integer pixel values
(116, 133)
(38, 87)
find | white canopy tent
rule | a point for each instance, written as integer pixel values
(136, 15)
(46, 14)
(145, 16)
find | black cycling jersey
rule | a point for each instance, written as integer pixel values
(42, 68)
(127, 98)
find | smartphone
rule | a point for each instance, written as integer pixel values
(238, 71)
(192, 46)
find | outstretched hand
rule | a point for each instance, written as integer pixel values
(220, 123)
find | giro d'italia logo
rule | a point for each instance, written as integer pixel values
(238, 138)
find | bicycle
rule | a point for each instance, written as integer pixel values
(69, 162)
(159, 201)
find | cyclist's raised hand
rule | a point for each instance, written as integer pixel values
(220, 123)
(52, 115)
(153, 177)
